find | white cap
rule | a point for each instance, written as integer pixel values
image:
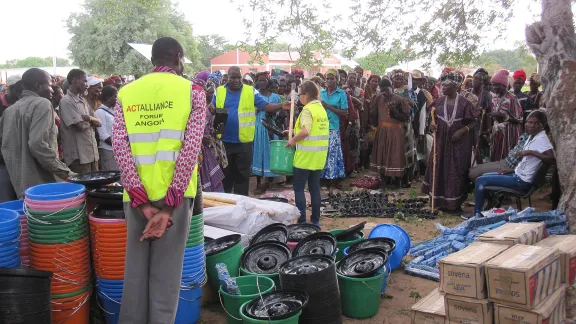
(13, 79)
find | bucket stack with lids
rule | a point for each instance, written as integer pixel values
(9, 239)
(108, 233)
(193, 274)
(59, 243)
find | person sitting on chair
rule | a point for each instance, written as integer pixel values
(537, 150)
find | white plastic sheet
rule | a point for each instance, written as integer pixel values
(249, 215)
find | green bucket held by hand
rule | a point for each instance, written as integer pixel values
(250, 287)
(281, 158)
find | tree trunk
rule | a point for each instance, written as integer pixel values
(553, 41)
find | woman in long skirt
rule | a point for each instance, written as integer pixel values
(261, 153)
(455, 119)
(335, 101)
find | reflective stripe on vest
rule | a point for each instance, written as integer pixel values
(156, 110)
(311, 153)
(246, 111)
(154, 137)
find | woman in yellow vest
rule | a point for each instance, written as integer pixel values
(311, 142)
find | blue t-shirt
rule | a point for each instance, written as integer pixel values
(337, 99)
(230, 134)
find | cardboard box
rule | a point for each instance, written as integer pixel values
(523, 276)
(515, 233)
(464, 310)
(566, 244)
(430, 309)
(551, 311)
(462, 273)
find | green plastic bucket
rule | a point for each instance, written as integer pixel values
(250, 287)
(341, 245)
(360, 297)
(245, 319)
(281, 158)
(230, 257)
(273, 276)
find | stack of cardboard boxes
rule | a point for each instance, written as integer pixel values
(502, 279)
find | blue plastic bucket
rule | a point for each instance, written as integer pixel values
(399, 235)
(195, 251)
(189, 306)
(108, 282)
(9, 253)
(9, 219)
(385, 281)
(9, 246)
(54, 191)
(9, 235)
(15, 205)
(193, 268)
(111, 307)
(14, 264)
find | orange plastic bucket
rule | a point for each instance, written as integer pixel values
(75, 311)
(80, 244)
(59, 288)
(61, 255)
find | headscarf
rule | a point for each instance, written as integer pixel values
(452, 77)
(368, 91)
(203, 75)
(215, 77)
(446, 69)
(298, 72)
(501, 77)
(93, 80)
(482, 73)
(112, 80)
(265, 73)
(468, 78)
(519, 74)
(334, 72)
(536, 78)
(247, 77)
(396, 73)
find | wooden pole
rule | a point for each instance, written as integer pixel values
(474, 157)
(433, 159)
(293, 98)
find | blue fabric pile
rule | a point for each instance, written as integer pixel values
(428, 253)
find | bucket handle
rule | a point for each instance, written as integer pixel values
(102, 308)
(376, 292)
(77, 308)
(63, 208)
(259, 293)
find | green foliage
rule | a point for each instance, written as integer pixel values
(518, 58)
(210, 46)
(31, 62)
(100, 35)
(451, 31)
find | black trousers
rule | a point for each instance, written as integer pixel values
(237, 173)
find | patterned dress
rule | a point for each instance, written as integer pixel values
(505, 134)
(452, 159)
(211, 170)
(261, 152)
(410, 153)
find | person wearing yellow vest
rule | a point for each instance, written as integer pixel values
(157, 135)
(242, 102)
(311, 142)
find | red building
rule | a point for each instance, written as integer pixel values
(281, 60)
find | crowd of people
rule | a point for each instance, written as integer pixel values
(172, 136)
(381, 123)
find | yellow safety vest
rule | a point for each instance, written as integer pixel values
(246, 111)
(156, 110)
(311, 153)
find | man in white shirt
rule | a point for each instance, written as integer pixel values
(106, 114)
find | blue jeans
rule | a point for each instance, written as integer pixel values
(301, 176)
(510, 180)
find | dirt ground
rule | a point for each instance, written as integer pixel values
(395, 306)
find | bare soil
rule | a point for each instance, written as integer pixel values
(403, 290)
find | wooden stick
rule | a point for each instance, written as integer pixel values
(433, 159)
(291, 126)
(224, 200)
(478, 140)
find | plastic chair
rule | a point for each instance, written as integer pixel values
(497, 194)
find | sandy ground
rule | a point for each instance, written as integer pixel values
(395, 307)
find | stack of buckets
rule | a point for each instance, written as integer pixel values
(108, 254)
(193, 274)
(18, 206)
(9, 239)
(59, 243)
